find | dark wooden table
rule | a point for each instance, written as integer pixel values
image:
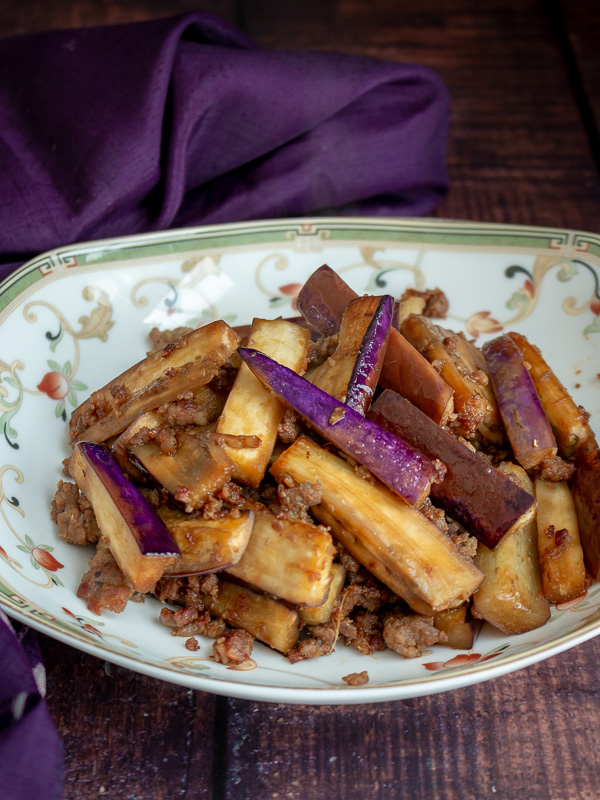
(524, 76)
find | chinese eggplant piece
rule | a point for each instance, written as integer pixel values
(510, 597)
(207, 545)
(184, 365)
(251, 409)
(486, 502)
(351, 373)
(263, 617)
(289, 559)
(559, 545)
(322, 301)
(525, 421)
(140, 542)
(397, 464)
(393, 541)
(568, 421)
(197, 469)
(586, 495)
(464, 369)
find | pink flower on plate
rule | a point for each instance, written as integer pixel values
(55, 385)
(482, 322)
(46, 559)
(461, 660)
(291, 290)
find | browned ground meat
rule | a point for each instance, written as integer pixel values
(190, 621)
(309, 648)
(160, 339)
(409, 634)
(319, 351)
(184, 411)
(466, 543)
(357, 678)
(163, 435)
(290, 427)
(434, 515)
(436, 302)
(74, 515)
(104, 587)
(555, 469)
(356, 619)
(296, 498)
(234, 647)
(192, 643)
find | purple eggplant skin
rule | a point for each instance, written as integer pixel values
(525, 421)
(152, 535)
(368, 365)
(585, 487)
(484, 500)
(323, 300)
(398, 465)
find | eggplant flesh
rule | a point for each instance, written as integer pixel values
(186, 364)
(352, 372)
(393, 541)
(140, 542)
(525, 421)
(322, 302)
(397, 464)
(196, 470)
(586, 495)
(568, 421)
(486, 502)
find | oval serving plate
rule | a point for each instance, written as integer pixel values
(74, 318)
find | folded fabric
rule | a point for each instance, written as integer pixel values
(178, 122)
(31, 759)
(171, 123)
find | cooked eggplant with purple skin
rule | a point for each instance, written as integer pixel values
(139, 540)
(486, 502)
(351, 373)
(395, 542)
(525, 421)
(464, 369)
(322, 301)
(397, 464)
(510, 597)
(568, 421)
(207, 545)
(586, 495)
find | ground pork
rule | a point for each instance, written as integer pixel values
(436, 302)
(163, 435)
(104, 587)
(290, 427)
(192, 621)
(318, 352)
(295, 499)
(161, 339)
(409, 634)
(356, 678)
(74, 515)
(555, 469)
(234, 647)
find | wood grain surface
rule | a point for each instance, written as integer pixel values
(524, 76)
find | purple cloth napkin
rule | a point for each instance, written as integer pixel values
(170, 123)
(31, 761)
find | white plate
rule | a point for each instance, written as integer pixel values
(73, 319)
